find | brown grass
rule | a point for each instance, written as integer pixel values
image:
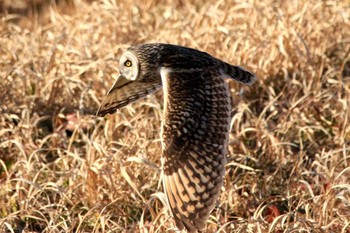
(62, 170)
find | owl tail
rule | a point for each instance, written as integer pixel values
(238, 73)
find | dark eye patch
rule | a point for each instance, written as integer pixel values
(128, 63)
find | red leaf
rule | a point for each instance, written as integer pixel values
(271, 213)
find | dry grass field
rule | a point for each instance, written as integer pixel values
(64, 170)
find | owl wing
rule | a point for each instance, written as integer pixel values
(195, 134)
(124, 92)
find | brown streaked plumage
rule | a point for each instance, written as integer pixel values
(195, 127)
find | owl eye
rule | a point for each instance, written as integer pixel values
(127, 63)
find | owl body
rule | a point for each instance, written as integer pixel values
(195, 125)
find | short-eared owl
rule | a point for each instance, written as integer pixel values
(195, 128)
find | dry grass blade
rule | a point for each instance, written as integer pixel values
(131, 183)
(143, 161)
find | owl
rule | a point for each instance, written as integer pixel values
(195, 125)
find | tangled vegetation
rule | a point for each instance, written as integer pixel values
(64, 170)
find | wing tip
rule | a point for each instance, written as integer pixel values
(103, 113)
(103, 110)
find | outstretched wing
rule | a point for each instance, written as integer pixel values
(124, 92)
(195, 134)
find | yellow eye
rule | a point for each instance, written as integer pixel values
(127, 63)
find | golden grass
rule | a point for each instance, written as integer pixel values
(62, 170)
